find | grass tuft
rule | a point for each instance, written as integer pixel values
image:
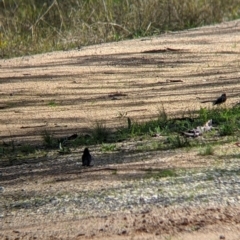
(177, 142)
(27, 149)
(163, 173)
(100, 133)
(48, 139)
(52, 103)
(108, 147)
(208, 150)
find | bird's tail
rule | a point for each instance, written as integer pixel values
(206, 101)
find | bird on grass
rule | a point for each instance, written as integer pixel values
(219, 100)
(86, 158)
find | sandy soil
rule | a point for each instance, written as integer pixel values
(68, 92)
(79, 83)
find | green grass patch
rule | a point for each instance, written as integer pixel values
(160, 173)
(226, 123)
(52, 103)
(100, 132)
(27, 149)
(161, 133)
(108, 147)
(208, 150)
(177, 142)
(48, 140)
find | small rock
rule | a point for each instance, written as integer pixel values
(222, 237)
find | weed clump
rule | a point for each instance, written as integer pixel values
(48, 139)
(208, 150)
(163, 173)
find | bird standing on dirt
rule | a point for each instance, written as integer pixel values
(221, 99)
(86, 158)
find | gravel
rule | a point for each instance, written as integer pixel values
(217, 186)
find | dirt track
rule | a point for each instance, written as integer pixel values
(68, 92)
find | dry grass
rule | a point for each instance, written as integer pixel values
(34, 27)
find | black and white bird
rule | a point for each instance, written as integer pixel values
(86, 158)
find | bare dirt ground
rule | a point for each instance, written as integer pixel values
(68, 92)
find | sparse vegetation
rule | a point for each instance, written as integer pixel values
(177, 142)
(54, 25)
(162, 115)
(27, 149)
(163, 173)
(226, 124)
(208, 150)
(226, 130)
(48, 139)
(52, 103)
(227, 119)
(100, 132)
(108, 147)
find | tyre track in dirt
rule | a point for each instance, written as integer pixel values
(67, 92)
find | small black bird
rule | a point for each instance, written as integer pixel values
(221, 99)
(86, 158)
